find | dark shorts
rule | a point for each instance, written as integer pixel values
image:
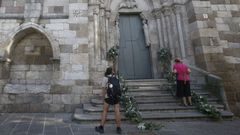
(111, 101)
(183, 89)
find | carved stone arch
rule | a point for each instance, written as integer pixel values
(21, 31)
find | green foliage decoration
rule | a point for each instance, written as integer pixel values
(131, 110)
(112, 54)
(205, 108)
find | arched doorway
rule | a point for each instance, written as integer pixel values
(134, 55)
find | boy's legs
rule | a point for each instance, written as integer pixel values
(100, 128)
(117, 115)
(104, 113)
(118, 118)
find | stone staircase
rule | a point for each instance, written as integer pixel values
(155, 102)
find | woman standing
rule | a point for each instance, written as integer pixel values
(108, 101)
(183, 82)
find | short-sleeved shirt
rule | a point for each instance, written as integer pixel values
(104, 83)
(182, 71)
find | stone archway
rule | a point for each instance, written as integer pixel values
(22, 30)
(32, 54)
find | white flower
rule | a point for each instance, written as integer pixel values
(110, 86)
(141, 126)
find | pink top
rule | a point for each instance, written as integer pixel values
(182, 71)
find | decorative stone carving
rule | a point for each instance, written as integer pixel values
(128, 4)
(117, 33)
(167, 10)
(32, 11)
(146, 33)
(157, 13)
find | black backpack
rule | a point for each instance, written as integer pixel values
(113, 92)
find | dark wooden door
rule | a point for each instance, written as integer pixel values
(134, 56)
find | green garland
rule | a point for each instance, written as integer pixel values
(205, 108)
(165, 56)
(132, 112)
(112, 54)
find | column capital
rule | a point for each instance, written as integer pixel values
(157, 12)
(177, 9)
(167, 10)
(108, 14)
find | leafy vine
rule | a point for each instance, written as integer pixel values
(132, 112)
(205, 108)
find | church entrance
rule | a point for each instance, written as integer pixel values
(134, 55)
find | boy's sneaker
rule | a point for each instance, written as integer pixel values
(119, 130)
(99, 129)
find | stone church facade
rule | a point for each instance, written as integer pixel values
(53, 52)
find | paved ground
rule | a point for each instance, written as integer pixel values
(61, 124)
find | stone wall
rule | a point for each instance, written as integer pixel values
(215, 35)
(55, 37)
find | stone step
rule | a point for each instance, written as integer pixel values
(146, 83)
(80, 116)
(148, 100)
(149, 108)
(145, 80)
(159, 93)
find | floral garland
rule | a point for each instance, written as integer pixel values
(132, 112)
(112, 54)
(165, 57)
(205, 108)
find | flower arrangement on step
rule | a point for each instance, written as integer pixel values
(131, 110)
(205, 108)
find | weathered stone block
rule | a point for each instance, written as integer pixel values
(14, 88)
(57, 99)
(59, 89)
(67, 98)
(32, 75)
(36, 108)
(18, 108)
(56, 108)
(66, 48)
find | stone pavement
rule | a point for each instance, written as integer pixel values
(61, 124)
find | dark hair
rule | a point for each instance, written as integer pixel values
(177, 60)
(108, 71)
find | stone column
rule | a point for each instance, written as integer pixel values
(117, 37)
(96, 36)
(180, 30)
(158, 15)
(164, 27)
(102, 28)
(175, 34)
(167, 14)
(108, 14)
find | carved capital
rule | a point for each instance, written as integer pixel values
(177, 9)
(95, 11)
(167, 11)
(157, 13)
(108, 14)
